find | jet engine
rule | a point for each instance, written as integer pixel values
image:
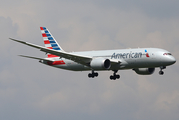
(100, 64)
(144, 71)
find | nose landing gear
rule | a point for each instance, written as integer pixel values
(161, 68)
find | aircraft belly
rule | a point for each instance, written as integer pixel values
(77, 67)
(142, 63)
(70, 65)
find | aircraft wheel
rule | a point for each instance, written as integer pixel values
(113, 77)
(96, 74)
(161, 72)
(117, 76)
(90, 75)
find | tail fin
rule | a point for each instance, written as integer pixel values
(49, 40)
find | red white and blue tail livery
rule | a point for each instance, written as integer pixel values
(49, 40)
(142, 60)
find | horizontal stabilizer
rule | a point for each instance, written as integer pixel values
(36, 58)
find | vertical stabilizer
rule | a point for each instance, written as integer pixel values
(50, 41)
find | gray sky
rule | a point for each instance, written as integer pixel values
(30, 90)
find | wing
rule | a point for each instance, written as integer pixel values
(84, 60)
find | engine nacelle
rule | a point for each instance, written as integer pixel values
(100, 64)
(144, 71)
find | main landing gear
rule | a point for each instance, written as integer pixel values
(93, 74)
(161, 68)
(114, 76)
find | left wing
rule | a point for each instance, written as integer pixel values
(84, 60)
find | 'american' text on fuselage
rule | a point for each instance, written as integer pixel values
(126, 55)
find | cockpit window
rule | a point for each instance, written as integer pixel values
(167, 54)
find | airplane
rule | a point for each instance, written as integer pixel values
(142, 60)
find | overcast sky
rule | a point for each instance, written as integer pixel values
(33, 91)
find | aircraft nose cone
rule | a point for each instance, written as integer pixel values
(172, 60)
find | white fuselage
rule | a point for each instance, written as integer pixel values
(142, 60)
(129, 59)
